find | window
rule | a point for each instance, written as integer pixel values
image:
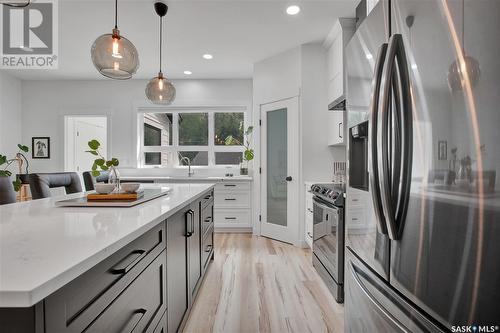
(169, 139)
(228, 124)
(193, 129)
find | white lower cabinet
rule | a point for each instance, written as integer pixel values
(233, 206)
(232, 203)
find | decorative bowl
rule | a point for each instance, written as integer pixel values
(130, 187)
(104, 188)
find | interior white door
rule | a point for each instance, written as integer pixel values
(85, 131)
(280, 170)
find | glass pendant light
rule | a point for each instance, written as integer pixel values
(160, 90)
(114, 56)
(17, 4)
(464, 67)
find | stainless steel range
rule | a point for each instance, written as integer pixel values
(328, 236)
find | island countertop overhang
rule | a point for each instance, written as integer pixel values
(43, 247)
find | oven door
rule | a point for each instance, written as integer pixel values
(328, 238)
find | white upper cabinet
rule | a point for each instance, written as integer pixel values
(337, 128)
(334, 43)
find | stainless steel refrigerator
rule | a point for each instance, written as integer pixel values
(423, 205)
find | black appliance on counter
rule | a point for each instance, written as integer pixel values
(422, 252)
(328, 236)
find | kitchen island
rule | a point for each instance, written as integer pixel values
(77, 269)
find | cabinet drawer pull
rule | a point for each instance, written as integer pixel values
(208, 248)
(355, 200)
(122, 270)
(134, 320)
(354, 219)
(190, 223)
(309, 234)
(310, 210)
(230, 185)
(230, 199)
(230, 218)
(208, 219)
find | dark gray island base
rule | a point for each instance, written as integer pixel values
(148, 285)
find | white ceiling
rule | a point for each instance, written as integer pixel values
(237, 32)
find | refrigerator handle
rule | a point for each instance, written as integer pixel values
(395, 78)
(372, 140)
(373, 300)
(405, 113)
(383, 136)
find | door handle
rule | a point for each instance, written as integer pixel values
(372, 141)
(406, 152)
(309, 234)
(340, 130)
(288, 179)
(395, 166)
(123, 270)
(373, 300)
(208, 248)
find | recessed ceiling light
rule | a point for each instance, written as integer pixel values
(292, 10)
(208, 56)
(188, 72)
(369, 56)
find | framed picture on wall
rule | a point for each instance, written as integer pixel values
(442, 150)
(40, 147)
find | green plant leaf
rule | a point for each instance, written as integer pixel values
(115, 161)
(100, 161)
(95, 173)
(249, 154)
(109, 163)
(92, 152)
(3, 159)
(17, 185)
(5, 173)
(249, 130)
(104, 168)
(94, 144)
(23, 148)
(94, 167)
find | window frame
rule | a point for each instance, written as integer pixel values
(211, 148)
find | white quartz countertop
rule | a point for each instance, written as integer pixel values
(186, 178)
(43, 247)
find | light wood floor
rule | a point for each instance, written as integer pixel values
(260, 285)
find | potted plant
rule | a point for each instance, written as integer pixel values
(248, 153)
(105, 165)
(7, 187)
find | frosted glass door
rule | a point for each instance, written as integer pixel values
(280, 170)
(277, 166)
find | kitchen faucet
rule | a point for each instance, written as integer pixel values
(185, 158)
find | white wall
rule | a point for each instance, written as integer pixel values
(10, 115)
(45, 103)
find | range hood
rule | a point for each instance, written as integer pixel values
(338, 104)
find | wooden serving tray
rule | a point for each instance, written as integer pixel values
(115, 196)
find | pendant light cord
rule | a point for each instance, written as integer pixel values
(161, 35)
(116, 14)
